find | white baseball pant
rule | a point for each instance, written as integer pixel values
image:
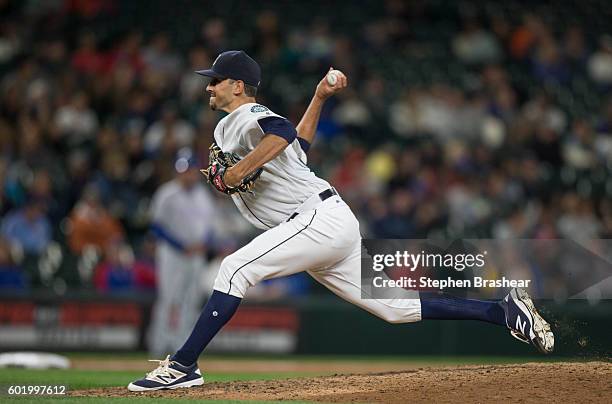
(179, 296)
(324, 241)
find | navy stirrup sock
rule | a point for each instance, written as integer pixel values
(221, 307)
(218, 311)
(440, 306)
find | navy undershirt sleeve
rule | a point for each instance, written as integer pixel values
(278, 126)
(162, 234)
(305, 144)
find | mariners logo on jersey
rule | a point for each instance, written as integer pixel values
(258, 108)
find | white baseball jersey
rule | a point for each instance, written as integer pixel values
(322, 239)
(187, 214)
(286, 181)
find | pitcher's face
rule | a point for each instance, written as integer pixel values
(220, 91)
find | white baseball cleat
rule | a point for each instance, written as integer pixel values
(525, 323)
(169, 375)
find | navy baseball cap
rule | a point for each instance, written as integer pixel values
(235, 65)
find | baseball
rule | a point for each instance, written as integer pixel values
(332, 79)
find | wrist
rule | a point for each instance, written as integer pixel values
(231, 177)
(320, 95)
(319, 98)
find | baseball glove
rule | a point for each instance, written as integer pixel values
(219, 162)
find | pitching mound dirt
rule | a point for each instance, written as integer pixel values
(531, 382)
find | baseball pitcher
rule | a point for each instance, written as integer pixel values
(260, 159)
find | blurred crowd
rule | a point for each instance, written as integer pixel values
(480, 120)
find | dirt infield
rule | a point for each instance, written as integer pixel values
(530, 382)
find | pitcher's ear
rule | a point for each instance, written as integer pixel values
(238, 87)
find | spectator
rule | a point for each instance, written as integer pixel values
(346, 177)
(518, 225)
(11, 275)
(169, 134)
(604, 123)
(267, 39)
(10, 41)
(214, 36)
(466, 208)
(144, 265)
(91, 224)
(160, 57)
(606, 212)
(575, 48)
(578, 221)
(319, 46)
(117, 191)
(53, 55)
(397, 221)
(540, 111)
(578, 150)
(86, 58)
(126, 55)
(440, 108)
(548, 64)
(33, 155)
(524, 38)
(4, 203)
(475, 45)
(352, 112)
(600, 63)
(79, 171)
(76, 122)
(503, 104)
(28, 227)
(41, 187)
(191, 84)
(404, 114)
(120, 272)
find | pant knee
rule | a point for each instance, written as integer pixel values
(394, 314)
(393, 318)
(231, 277)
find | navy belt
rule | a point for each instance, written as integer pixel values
(328, 193)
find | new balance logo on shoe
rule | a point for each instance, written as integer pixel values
(521, 326)
(165, 377)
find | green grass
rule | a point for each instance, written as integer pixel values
(84, 379)
(434, 360)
